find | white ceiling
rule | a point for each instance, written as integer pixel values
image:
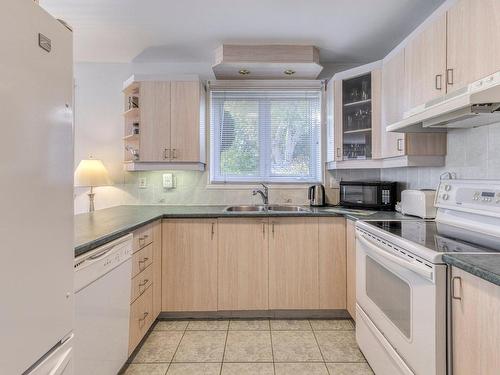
(189, 30)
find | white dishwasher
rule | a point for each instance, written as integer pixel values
(102, 308)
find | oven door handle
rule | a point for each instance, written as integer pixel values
(420, 270)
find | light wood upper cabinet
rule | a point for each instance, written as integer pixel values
(189, 265)
(473, 40)
(243, 264)
(293, 263)
(187, 121)
(351, 267)
(425, 64)
(332, 262)
(393, 101)
(154, 120)
(475, 325)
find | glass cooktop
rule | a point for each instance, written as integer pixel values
(434, 236)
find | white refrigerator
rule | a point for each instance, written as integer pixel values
(36, 196)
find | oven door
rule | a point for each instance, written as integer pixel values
(405, 300)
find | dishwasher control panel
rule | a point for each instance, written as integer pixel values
(96, 263)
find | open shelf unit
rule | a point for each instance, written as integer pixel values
(131, 121)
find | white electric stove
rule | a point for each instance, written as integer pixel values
(401, 279)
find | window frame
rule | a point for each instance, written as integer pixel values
(267, 177)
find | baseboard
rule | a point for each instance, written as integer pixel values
(262, 314)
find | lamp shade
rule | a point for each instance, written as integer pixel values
(91, 172)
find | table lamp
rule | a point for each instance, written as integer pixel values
(91, 173)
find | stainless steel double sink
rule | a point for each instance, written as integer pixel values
(274, 208)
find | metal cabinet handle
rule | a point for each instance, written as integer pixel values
(263, 230)
(454, 289)
(449, 76)
(338, 152)
(272, 228)
(143, 319)
(439, 82)
(144, 282)
(400, 144)
(166, 154)
(174, 153)
(144, 260)
(213, 231)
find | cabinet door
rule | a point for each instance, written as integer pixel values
(293, 263)
(351, 268)
(154, 123)
(156, 229)
(376, 95)
(393, 91)
(332, 263)
(475, 324)
(425, 64)
(337, 121)
(189, 259)
(185, 129)
(473, 40)
(243, 264)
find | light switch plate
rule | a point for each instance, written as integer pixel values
(168, 180)
(143, 183)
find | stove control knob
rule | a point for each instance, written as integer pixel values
(445, 197)
(447, 187)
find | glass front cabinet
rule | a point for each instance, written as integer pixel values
(356, 116)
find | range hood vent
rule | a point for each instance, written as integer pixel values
(477, 104)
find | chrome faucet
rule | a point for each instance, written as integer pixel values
(264, 194)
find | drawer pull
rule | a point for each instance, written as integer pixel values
(144, 260)
(454, 289)
(439, 82)
(144, 282)
(449, 76)
(143, 319)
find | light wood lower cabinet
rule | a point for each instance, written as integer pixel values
(141, 318)
(475, 325)
(243, 264)
(156, 268)
(332, 262)
(293, 263)
(189, 265)
(351, 267)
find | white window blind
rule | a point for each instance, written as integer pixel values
(265, 135)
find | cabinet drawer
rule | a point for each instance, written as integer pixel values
(141, 283)
(142, 259)
(141, 318)
(142, 237)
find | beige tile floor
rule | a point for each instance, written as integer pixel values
(248, 347)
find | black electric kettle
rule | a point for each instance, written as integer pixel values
(316, 195)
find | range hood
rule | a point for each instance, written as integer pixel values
(475, 105)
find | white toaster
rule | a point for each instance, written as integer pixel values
(418, 203)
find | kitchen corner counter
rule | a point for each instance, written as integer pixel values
(484, 266)
(95, 229)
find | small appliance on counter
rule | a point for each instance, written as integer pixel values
(372, 195)
(316, 195)
(418, 203)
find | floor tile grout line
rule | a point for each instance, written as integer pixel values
(272, 348)
(177, 348)
(319, 347)
(224, 352)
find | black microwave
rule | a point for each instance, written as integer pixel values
(373, 195)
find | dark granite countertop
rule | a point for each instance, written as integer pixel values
(485, 266)
(95, 229)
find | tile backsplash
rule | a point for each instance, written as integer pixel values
(472, 154)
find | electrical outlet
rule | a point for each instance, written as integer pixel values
(143, 183)
(168, 180)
